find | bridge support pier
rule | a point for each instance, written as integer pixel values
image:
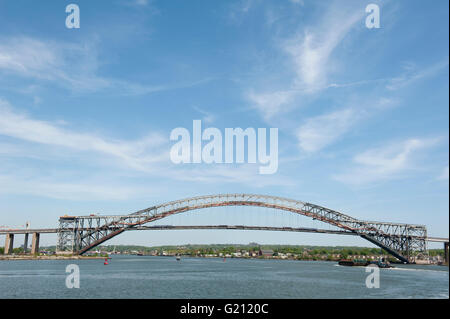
(25, 243)
(446, 253)
(35, 244)
(9, 244)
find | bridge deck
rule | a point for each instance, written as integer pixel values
(28, 231)
(193, 227)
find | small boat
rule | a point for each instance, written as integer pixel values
(178, 258)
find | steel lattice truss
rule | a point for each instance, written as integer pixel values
(81, 233)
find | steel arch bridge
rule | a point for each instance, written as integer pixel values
(78, 234)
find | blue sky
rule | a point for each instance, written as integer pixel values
(86, 114)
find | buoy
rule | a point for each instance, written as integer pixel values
(106, 261)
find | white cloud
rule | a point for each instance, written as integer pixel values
(271, 103)
(137, 154)
(27, 56)
(310, 53)
(412, 75)
(226, 173)
(445, 174)
(70, 64)
(147, 5)
(71, 190)
(242, 7)
(319, 132)
(300, 2)
(55, 143)
(74, 66)
(208, 117)
(385, 163)
(141, 2)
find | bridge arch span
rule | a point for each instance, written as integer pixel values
(86, 232)
(265, 201)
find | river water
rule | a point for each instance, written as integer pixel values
(165, 277)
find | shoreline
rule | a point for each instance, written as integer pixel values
(77, 257)
(49, 257)
(272, 258)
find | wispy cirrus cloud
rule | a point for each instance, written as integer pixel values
(138, 154)
(66, 63)
(271, 103)
(70, 190)
(141, 2)
(239, 9)
(299, 2)
(227, 173)
(74, 66)
(320, 131)
(412, 74)
(147, 6)
(385, 163)
(32, 139)
(445, 174)
(208, 117)
(310, 52)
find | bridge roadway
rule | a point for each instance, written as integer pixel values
(192, 227)
(9, 242)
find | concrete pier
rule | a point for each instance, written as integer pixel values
(9, 244)
(35, 244)
(25, 244)
(446, 253)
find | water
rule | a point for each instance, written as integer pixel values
(165, 277)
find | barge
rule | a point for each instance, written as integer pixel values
(363, 263)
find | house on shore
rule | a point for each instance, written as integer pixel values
(265, 252)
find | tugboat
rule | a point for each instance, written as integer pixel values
(381, 263)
